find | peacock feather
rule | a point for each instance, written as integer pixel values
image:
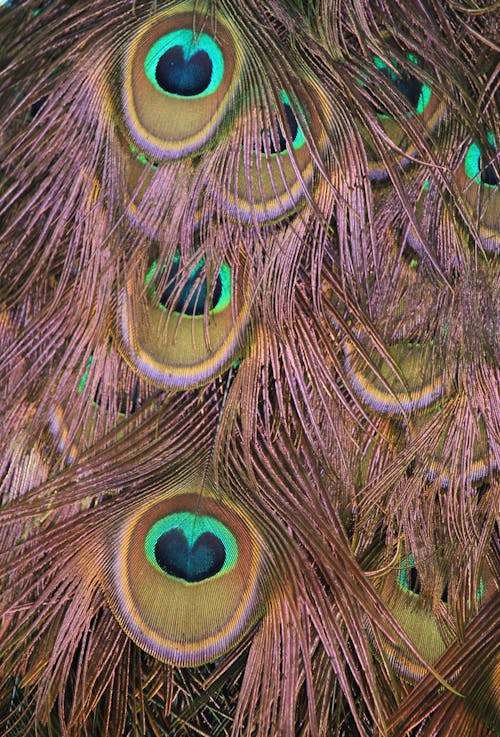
(249, 369)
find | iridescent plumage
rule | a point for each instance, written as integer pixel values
(249, 320)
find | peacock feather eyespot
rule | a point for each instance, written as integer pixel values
(276, 167)
(414, 90)
(479, 183)
(189, 330)
(401, 594)
(178, 82)
(428, 626)
(379, 386)
(191, 547)
(188, 581)
(425, 104)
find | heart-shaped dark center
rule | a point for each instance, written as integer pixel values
(193, 563)
(181, 76)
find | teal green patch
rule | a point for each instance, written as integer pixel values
(225, 297)
(480, 590)
(390, 73)
(472, 163)
(152, 271)
(403, 574)
(424, 99)
(394, 76)
(85, 376)
(299, 139)
(141, 157)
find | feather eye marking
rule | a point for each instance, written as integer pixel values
(414, 90)
(275, 167)
(188, 333)
(177, 83)
(478, 179)
(425, 104)
(424, 621)
(186, 579)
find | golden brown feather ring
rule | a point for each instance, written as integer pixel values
(478, 178)
(178, 80)
(379, 386)
(186, 334)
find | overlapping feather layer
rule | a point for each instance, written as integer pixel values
(249, 319)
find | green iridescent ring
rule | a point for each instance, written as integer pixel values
(473, 162)
(425, 94)
(186, 531)
(403, 575)
(190, 45)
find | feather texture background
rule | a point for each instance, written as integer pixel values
(249, 314)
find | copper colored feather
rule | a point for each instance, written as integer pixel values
(249, 368)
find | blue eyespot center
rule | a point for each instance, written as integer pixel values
(193, 295)
(191, 299)
(193, 563)
(180, 76)
(183, 65)
(191, 547)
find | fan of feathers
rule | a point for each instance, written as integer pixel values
(249, 320)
